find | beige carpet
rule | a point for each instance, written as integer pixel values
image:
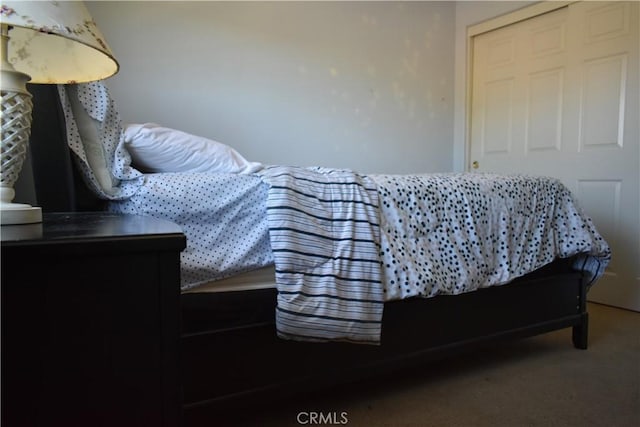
(542, 381)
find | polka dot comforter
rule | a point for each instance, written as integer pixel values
(455, 233)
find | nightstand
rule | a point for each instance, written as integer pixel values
(91, 321)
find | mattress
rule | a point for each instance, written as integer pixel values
(262, 278)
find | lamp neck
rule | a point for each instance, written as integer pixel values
(11, 79)
(4, 46)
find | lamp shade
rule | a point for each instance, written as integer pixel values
(56, 42)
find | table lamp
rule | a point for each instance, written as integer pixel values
(50, 42)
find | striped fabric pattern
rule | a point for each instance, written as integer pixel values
(324, 233)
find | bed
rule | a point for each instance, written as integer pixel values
(242, 339)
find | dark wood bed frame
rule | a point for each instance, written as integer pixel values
(229, 350)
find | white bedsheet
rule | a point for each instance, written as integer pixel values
(222, 215)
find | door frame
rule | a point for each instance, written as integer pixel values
(523, 14)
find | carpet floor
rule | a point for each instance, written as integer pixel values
(541, 381)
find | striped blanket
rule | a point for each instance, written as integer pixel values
(324, 233)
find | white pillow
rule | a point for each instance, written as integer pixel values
(154, 148)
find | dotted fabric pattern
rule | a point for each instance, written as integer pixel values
(455, 233)
(100, 107)
(222, 215)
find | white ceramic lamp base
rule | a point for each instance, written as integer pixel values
(17, 213)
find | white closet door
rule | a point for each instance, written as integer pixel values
(557, 95)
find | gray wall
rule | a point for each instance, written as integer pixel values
(363, 85)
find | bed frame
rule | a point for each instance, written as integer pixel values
(229, 350)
